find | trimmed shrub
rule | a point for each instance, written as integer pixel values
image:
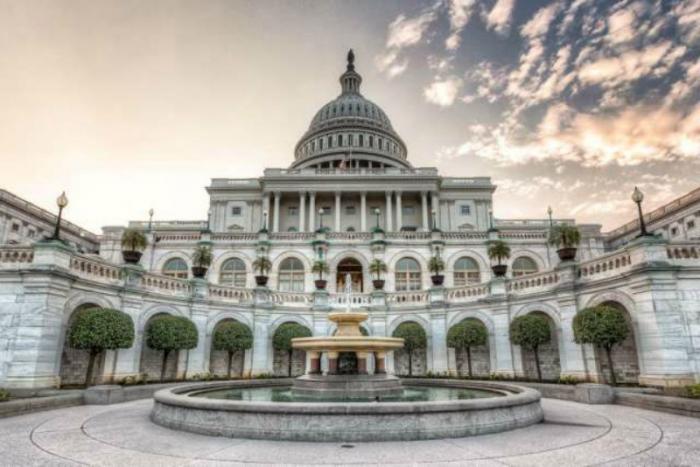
(465, 335)
(100, 329)
(169, 333)
(414, 339)
(603, 326)
(232, 337)
(282, 340)
(693, 391)
(531, 331)
(4, 395)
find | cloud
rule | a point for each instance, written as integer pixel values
(443, 92)
(459, 12)
(500, 16)
(403, 32)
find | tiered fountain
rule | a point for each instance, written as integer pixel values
(347, 403)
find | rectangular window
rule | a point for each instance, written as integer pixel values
(691, 224)
(292, 210)
(15, 227)
(408, 210)
(31, 234)
(236, 211)
(674, 231)
(340, 140)
(465, 210)
(350, 210)
(362, 140)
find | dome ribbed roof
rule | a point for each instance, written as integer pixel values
(351, 106)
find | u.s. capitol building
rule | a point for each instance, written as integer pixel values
(351, 196)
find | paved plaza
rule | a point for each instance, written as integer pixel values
(572, 434)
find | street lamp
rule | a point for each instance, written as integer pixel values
(150, 219)
(320, 219)
(61, 202)
(638, 197)
(377, 212)
(549, 214)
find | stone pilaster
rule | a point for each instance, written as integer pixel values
(438, 327)
(261, 357)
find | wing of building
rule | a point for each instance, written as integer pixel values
(351, 199)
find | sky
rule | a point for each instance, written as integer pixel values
(130, 105)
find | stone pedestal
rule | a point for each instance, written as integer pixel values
(104, 395)
(314, 363)
(332, 363)
(591, 393)
(380, 363)
(360, 386)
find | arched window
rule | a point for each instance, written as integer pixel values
(466, 271)
(340, 140)
(233, 273)
(407, 275)
(291, 275)
(523, 265)
(175, 267)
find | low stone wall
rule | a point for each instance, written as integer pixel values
(674, 405)
(39, 403)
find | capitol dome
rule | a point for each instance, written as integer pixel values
(350, 132)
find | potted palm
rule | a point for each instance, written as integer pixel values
(436, 265)
(377, 267)
(133, 244)
(499, 250)
(201, 260)
(566, 238)
(262, 265)
(319, 267)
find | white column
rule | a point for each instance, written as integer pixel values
(302, 211)
(424, 203)
(363, 211)
(197, 358)
(388, 212)
(399, 212)
(337, 211)
(504, 353)
(312, 211)
(276, 214)
(266, 209)
(439, 343)
(261, 356)
(435, 198)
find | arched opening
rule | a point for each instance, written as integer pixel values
(291, 275)
(466, 271)
(480, 354)
(523, 265)
(152, 360)
(233, 273)
(411, 359)
(624, 355)
(354, 268)
(407, 275)
(550, 363)
(175, 267)
(74, 362)
(281, 357)
(218, 359)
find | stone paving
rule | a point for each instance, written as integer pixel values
(572, 434)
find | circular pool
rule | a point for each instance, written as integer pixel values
(268, 409)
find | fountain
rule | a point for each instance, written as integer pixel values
(348, 402)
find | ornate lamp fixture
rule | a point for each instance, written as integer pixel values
(61, 202)
(638, 197)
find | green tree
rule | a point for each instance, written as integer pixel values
(282, 340)
(436, 265)
(133, 240)
(377, 267)
(320, 267)
(202, 256)
(603, 326)
(530, 332)
(232, 337)
(100, 329)
(465, 335)
(169, 333)
(414, 339)
(498, 250)
(262, 264)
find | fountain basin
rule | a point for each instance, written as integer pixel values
(510, 407)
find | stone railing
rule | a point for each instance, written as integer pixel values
(418, 297)
(95, 269)
(408, 235)
(605, 265)
(352, 236)
(235, 237)
(467, 293)
(166, 285)
(300, 299)
(538, 235)
(356, 300)
(178, 237)
(683, 253)
(11, 256)
(532, 282)
(230, 294)
(292, 236)
(464, 235)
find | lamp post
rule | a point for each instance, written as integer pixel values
(61, 202)
(150, 219)
(377, 212)
(549, 214)
(320, 219)
(638, 197)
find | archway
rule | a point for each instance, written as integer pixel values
(480, 357)
(152, 360)
(354, 268)
(218, 359)
(624, 355)
(74, 362)
(550, 363)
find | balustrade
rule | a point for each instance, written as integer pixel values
(532, 282)
(683, 253)
(467, 293)
(10, 256)
(95, 269)
(604, 265)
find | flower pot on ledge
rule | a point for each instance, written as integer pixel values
(499, 270)
(261, 281)
(378, 284)
(199, 272)
(566, 254)
(437, 279)
(321, 284)
(131, 256)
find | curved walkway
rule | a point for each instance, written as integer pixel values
(572, 434)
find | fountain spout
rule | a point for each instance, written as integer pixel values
(348, 292)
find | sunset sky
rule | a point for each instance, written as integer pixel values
(129, 105)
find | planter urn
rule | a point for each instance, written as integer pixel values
(131, 256)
